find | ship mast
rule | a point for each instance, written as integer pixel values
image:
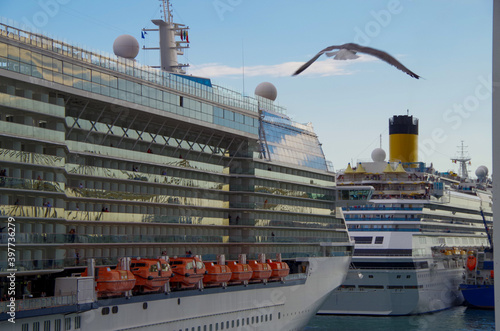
(462, 159)
(170, 48)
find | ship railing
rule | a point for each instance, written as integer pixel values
(381, 209)
(37, 303)
(31, 211)
(292, 224)
(10, 155)
(356, 217)
(34, 264)
(31, 184)
(134, 69)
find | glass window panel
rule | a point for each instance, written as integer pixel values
(137, 88)
(228, 115)
(113, 82)
(86, 74)
(58, 78)
(25, 55)
(47, 62)
(47, 74)
(13, 65)
(77, 71)
(96, 77)
(67, 68)
(96, 88)
(113, 92)
(78, 83)
(67, 80)
(3, 50)
(104, 90)
(87, 86)
(13, 53)
(57, 65)
(122, 84)
(25, 69)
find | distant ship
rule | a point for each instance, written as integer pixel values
(139, 198)
(412, 238)
(478, 286)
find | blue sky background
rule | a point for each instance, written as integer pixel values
(447, 42)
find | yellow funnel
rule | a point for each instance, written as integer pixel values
(403, 139)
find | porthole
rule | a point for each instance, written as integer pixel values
(114, 310)
(105, 311)
(145, 305)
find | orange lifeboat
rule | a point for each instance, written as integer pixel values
(187, 271)
(112, 282)
(279, 269)
(471, 262)
(216, 274)
(240, 272)
(261, 271)
(151, 274)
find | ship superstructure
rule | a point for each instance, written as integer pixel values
(104, 159)
(412, 238)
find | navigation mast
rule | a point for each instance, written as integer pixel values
(462, 159)
(170, 48)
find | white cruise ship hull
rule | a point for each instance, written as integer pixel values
(436, 290)
(279, 306)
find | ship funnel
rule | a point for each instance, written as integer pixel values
(403, 139)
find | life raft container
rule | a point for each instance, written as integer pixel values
(471, 262)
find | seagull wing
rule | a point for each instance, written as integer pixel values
(361, 49)
(382, 56)
(311, 61)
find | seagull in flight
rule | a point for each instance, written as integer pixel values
(348, 52)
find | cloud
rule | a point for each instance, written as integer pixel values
(327, 67)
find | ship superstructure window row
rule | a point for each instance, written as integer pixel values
(51, 67)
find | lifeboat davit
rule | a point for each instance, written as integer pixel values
(261, 271)
(279, 269)
(187, 271)
(216, 274)
(112, 282)
(240, 272)
(471, 262)
(151, 274)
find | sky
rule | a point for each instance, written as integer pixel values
(241, 43)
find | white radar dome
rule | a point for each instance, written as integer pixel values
(266, 90)
(126, 46)
(378, 155)
(481, 171)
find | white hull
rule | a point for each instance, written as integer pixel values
(271, 306)
(434, 290)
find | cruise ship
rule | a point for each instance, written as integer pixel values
(413, 237)
(107, 165)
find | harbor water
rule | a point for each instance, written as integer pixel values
(457, 319)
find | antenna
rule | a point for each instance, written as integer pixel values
(170, 48)
(243, 64)
(463, 158)
(380, 140)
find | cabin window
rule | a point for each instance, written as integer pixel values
(57, 325)
(105, 311)
(25, 327)
(78, 322)
(153, 268)
(145, 305)
(36, 326)
(67, 323)
(114, 310)
(46, 326)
